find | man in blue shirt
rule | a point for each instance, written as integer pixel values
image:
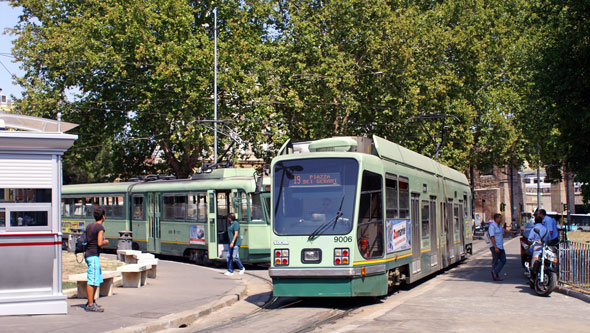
(538, 233)
(551, 225)
(496, 233)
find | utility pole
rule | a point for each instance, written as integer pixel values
(215, 84)
(538, 177)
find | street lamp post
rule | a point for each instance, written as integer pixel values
(215, 85)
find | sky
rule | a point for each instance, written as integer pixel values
(8, 19)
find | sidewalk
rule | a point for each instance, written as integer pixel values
(180, 290)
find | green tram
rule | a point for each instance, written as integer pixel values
(179, 217)
(353, 216)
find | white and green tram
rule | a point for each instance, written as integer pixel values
(186, 217)
(353, 216)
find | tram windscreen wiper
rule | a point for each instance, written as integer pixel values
(323, 227)
(288, 171)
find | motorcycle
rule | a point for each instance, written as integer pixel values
(543, 273)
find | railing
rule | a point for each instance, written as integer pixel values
(574, 264)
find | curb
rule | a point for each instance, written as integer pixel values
(573, 293)
(185, 318)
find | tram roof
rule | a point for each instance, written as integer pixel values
(379, 147)
(98, 188)
(216, 179)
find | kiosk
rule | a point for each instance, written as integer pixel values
(30, 219)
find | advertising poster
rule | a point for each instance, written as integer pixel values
(197, 234)
(398, 235)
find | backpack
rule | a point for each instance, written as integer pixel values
(81, 243)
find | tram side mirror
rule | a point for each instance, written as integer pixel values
(258, 185)
(236, 202)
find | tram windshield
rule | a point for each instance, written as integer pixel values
(314, 196)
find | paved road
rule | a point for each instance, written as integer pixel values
(178, 287)
(465, 299)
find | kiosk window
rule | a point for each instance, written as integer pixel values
(28, 219)
(25, 195)
(2, 218)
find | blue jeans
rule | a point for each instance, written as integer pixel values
(498, 260)
(231, 256)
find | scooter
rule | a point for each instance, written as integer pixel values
(543, 273)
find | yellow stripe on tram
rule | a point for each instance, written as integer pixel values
(427, 250)
(379, 260)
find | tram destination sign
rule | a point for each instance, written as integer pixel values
(316, 178)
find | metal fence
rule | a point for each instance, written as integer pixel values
(574, 264)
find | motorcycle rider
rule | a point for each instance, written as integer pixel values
(538, 233)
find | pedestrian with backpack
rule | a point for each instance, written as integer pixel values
(95, 241)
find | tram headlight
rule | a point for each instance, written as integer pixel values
(311, 255)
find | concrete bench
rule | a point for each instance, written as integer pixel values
(151, 273)
(134, 275)
(128, 256)
(105, 289)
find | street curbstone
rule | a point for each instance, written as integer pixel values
(187, 317)
(572, 293)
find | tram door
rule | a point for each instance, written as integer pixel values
(450, 232)
(212, 224)
(433, 233)
(461, 227)
(153, 220)
(416, 246)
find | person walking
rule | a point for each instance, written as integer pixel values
(234, 245)
(95, 239)
(551, 225)
(497, 246)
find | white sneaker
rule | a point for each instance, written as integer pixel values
(242, 271)
(228, 273)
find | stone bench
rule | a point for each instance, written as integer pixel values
(128, 256)
(151, 272)
(105, 289)
(134, 275)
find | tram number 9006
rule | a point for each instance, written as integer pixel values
(342, 239)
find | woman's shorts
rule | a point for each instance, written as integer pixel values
(94, 273)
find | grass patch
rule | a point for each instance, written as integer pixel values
(70, 265)
(578, 236)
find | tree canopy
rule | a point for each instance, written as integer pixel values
(514, 74)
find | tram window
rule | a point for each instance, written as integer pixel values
(174, 207)
(391, 196)
(118, 206)
(138, 210)
(66, 207)
(404, 198)
(425, 219)
(28, 218)
(456, 218)
(243, 206)
(202, 208)
(370, 228)
(256, 208)
(90, 203)
(465, 206)
(221, 204)
(192, 207)
(78, 207)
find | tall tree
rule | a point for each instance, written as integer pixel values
(141, 72)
